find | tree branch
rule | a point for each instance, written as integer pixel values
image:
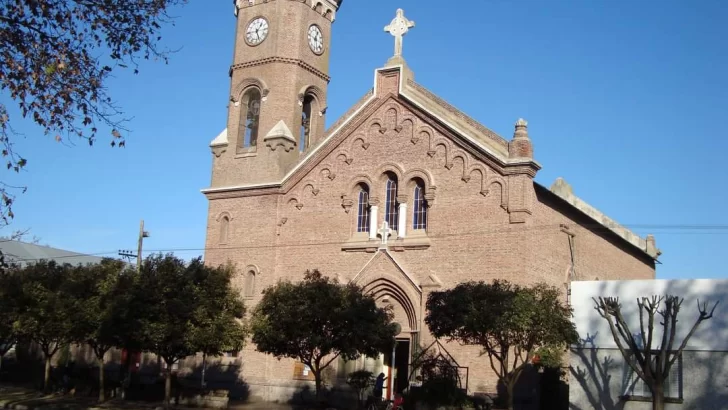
(606, 309)
(704, 315)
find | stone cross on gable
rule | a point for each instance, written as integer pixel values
(385, 232)
(398, 28)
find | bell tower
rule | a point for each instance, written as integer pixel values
(279, 77)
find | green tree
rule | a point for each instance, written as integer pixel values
(650, 359)
(56, 62)
(98, 297)
(508, 321)
(9, 291)
(165, 287)
(219, 315)
(317, 320)
(184, 308)
(44, 304)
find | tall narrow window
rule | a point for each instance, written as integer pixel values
(362, 224)
(419, 211)
(391, 208)
(249, 119)
(305, 138)
(249, 285)
(224, 227)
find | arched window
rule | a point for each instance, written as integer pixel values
(249, 119)
(391, 208)
(224, 228)
(362, 221)
(419, 211)
(305, 138)
(249, 285)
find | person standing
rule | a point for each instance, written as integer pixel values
(379, 386)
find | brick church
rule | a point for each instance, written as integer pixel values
(403, 195)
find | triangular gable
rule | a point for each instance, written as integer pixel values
(384, 253)
(399, 285)
(421, 103)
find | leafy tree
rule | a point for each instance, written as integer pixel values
(57, 58)
(172, 300)
(508, 321)
(166, 289)
(44, 304)
(218, 315)
(9, 291)
(317, 320)
(651, 362)
(97, 298)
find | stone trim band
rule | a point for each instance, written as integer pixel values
(285, 60)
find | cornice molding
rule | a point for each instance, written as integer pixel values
(284, 60)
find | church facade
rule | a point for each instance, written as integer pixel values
(403, 195)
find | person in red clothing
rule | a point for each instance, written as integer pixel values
(398, 401)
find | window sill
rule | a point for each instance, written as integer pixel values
(246, 153)
(649, 399)
(416, 240)
(360, 244)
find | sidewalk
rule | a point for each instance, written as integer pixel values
(19, 398)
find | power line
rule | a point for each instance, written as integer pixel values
(712, 230)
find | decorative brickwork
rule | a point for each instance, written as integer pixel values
(284, 211)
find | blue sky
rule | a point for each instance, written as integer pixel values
(625, 99)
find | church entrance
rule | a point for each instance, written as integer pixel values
(397, 368)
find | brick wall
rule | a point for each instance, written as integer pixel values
(283, 232)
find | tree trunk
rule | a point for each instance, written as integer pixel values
(510, 384)
(102, 392)
(204, 368)
(1, 362)
(317, 376)
(658, 396)
(47, 375)
(168, 386)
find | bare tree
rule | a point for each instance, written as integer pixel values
(651, 365)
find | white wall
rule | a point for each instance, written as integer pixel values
(712, 335)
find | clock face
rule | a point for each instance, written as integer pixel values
(257, 31)
(315, 39)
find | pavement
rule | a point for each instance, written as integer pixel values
(21, 398)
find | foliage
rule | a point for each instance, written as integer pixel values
(57, 58)
(651, 362)
(166, 290)
(550, 357)
(317, 320)
(360, 381)
(508, 321)
(97, 299)
(8, 313)
(183, 308)
(45, 307)
(440, 377)
(218, 313)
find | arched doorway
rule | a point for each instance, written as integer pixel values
(395, 364)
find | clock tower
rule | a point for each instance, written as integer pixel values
(277, 102)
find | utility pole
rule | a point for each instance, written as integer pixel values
(142, 234)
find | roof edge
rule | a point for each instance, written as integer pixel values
(562, 190)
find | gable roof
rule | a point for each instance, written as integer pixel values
(23, 253)
(473, 134)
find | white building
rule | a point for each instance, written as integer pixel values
(600, 378)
